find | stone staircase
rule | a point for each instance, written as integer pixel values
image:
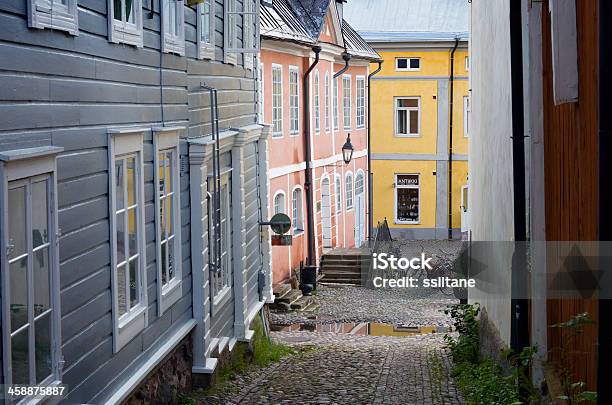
(344, 266)
(287, 299)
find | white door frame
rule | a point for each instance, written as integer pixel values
(326, 226)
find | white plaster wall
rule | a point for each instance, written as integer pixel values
(490, 150)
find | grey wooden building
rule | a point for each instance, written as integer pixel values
(129, 220)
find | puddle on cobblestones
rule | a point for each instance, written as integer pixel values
(360, 328)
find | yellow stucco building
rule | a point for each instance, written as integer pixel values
(416, 175)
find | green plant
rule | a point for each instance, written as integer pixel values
(484, 383)
(465, 321)
(264, 350)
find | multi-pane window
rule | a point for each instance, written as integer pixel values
(317, 103)
(360, 115)
(248, 31)
(30, 284)
(294, 100)
(54, 14)
(346, 96)
(326, 87)
(338, 194)
(466, 116)
(230, 32)
(240, 17)
(296, 213)
(173, 31)
(407, 116)
(222, 275)
(336, 107)
(260, 94)
(277, 101)
(168, 217)
(407, 64)
(206, 29)
(126, 23)
(359, 183)
(349, 190)
(279, 203)
(407, 198)
(127, 239)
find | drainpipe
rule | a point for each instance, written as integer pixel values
(450, 137)
(347, 57)
(308, 183)
(370, 174)
(604, 373)
(520, 305)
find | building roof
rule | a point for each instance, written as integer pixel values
(303, 20)
(409, 21)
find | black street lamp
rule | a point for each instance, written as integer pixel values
(347, 150)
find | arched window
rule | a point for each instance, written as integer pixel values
(338, 193)
(296, 212)
(317, 103)
(359, 183)
(349, 190)
(279, 203)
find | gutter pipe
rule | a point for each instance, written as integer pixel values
(370, 174)
(347, 57)
(308, 183)
(450, 143)
(520, 306)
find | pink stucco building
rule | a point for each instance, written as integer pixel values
(292, 33)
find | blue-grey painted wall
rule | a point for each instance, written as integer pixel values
(63, 90)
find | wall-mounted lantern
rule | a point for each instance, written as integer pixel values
(347, 150)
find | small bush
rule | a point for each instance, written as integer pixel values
(484, 384)
(264, 350)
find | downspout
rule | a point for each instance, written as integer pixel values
(604, 373)
(308, 183)
(450, 139)
(519, 305)
(370, 174)
(347, 57)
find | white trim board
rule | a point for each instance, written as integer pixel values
(284, 170)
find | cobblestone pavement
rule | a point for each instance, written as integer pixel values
(348, 369)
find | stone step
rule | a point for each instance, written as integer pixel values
(364, 258)
(336, 274)
(280, 290)
(313, 306)
(339, 280)
(290, 298)
(355, 263)
(301, 303)
(342, 267)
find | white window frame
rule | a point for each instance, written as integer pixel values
(122, 142)
(297, 210)
(338, 188)
(350, 192)
(279, 108)
(407, 68)
(260, 94)
(55, 15)
(172, 42)
(396, 109)
(24, 166)
(248, 33)
(166, 139)
(397, 187)
(123, 31)
(467, 112)
(230, 31)
(347, 119)
(279, 193)
(222, 294)
(467, 63)
(360, 102)
(327, 104)
(206, 50)
(316, 102)
(294, 101)
(336, 103)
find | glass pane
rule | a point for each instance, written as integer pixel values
(168, 213)
(121, 291)
(177, 16)
(171, 261)
(402, 125)
(117, 9)
(19, 357)
(164, 249)
(120, 237)
(131, 180)
(408, 102)
(134, 282)
(19, 293)
(161, 158)
(129, 11)
(41, 281)
(119, 187)
(402, 63)
(17, 222)
(39, 214)
(169, 169)
(408, 204)
(42, 330)
(133, 231)
(415, 63)
(414, 122)
(205, 33)
(162, 219)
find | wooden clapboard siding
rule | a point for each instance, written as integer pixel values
(571, 181)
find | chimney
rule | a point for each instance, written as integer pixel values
(340, 7)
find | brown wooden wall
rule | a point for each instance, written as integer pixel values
(571, 181)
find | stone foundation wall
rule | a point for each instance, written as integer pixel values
(168, 380)
(491, 344)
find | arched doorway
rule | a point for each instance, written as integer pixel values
(326, 213)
